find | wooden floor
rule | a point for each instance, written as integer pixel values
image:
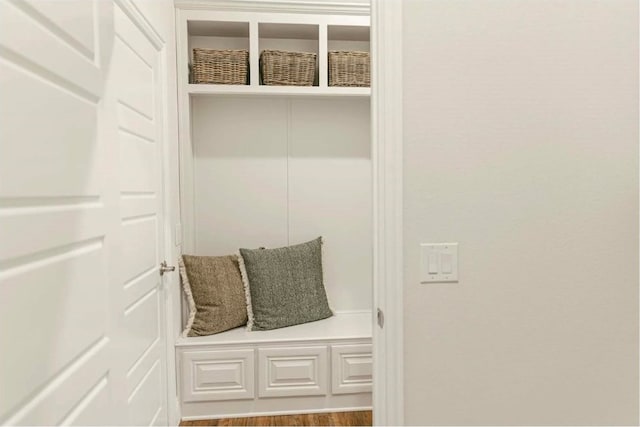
(360, 418)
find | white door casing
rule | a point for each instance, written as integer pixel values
(82, 128)
(386, 114)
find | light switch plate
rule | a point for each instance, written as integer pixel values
(438, 262)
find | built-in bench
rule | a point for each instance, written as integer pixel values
(315, 367)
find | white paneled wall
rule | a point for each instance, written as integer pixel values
(330, 192)
(240, 173)
(277, 171)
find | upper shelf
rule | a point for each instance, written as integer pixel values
(256, 32)
(207, 89)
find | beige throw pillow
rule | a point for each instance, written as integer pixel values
(215, 292)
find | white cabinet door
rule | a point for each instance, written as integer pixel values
(82, 127)
(292, 371)
(218, 375)
(351, 368)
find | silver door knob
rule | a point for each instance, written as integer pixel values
(164, 268)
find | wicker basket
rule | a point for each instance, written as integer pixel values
(349, 69)
(280, 68)
(225, 67)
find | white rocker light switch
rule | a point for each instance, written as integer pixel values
(446, 265)
(433, 263)
(438, 262)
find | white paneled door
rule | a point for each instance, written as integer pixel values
(82, 135)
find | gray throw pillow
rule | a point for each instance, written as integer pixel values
(284, 286)
(215, 292)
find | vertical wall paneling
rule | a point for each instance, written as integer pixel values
(271, 171)
(329, 179)
(240, 170)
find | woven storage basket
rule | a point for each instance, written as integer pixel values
(349, 69)
(225, 67)
(287, 68)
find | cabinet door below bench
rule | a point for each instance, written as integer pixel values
(352, 367)
(217, 375)
(292, 371)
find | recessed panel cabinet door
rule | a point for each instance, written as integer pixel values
(81, 132)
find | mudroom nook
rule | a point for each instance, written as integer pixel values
(274, 161)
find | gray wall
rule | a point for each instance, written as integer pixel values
(521, 144)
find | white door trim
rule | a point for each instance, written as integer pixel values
(386, 106)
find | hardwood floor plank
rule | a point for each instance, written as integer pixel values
(359, 418)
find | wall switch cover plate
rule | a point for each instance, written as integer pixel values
(438, 262)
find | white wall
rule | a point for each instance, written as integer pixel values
(521, 144)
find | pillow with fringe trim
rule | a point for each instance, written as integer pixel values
(215, 293)
(284, 286)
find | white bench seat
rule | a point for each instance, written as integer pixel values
(320, 366)
(341, 326)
